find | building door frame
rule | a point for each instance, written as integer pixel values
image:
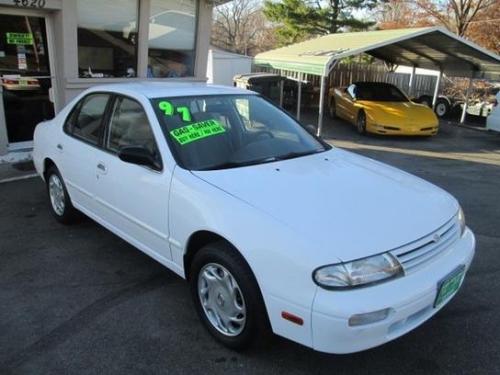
(5, 146)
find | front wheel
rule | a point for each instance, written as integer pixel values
(227, 297)
(361, 122)
(60, 204)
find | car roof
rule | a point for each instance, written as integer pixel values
(157, 89)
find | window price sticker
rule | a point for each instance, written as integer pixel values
(197, 131)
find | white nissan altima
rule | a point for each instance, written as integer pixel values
(275, 230)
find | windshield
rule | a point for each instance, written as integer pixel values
(379, 92)
(229, 131)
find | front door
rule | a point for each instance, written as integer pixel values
(25, 77)
(132, 198)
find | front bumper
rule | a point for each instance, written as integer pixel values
(404, 130)
(410, 298)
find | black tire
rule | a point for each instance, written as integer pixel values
(332, 110)
(256, 324)
(361, 122)
(67, 214)
(442, 107)
(427, 100)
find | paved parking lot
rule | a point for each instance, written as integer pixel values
(80, 300)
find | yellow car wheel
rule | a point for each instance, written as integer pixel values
(361, 122)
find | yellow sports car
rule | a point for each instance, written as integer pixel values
(381, 108)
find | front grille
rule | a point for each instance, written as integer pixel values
(418, 253)
(391, 128)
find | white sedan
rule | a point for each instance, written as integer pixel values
(275, 230)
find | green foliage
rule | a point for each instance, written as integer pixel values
(301, 19)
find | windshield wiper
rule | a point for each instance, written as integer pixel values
(269, 159)
(297, 154)
(236, 164)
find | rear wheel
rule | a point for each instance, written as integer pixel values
(442, 108)
(60, 204)
(361, 122)
(427, 100)
(227, 297)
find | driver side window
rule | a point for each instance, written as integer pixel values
(129, 126)
(351, 90)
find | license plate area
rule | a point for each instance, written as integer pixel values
(449, 285)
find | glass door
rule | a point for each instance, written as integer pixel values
(25, 76)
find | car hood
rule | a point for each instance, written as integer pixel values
(399, 113)
(344, 204)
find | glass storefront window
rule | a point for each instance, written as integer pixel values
(172, 31)
(107, 38)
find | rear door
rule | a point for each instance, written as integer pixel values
(133, 199)
(84, 130)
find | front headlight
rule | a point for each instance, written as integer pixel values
(358, 273)
(461, 220)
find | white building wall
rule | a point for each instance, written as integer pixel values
(222, 66)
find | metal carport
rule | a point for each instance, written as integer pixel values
(428, 47)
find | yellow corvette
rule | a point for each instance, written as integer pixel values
(381, 108)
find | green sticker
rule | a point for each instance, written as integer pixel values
(185, 113)
(166, 107)
(169, 110)
(19, 38)
(196, 131)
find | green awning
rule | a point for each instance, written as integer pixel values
(427, 47)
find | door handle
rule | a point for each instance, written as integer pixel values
(59, 147)
(101, 167)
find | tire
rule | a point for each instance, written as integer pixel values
(361, 122)
(442, 108)
(220, 262)
(427, 100)
(60, 203)
(332, 111)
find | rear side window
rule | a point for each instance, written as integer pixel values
(86, 121)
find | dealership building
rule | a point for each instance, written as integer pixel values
(51, 50)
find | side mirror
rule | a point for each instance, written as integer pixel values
(139, 155)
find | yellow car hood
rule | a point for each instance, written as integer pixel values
(399, 113)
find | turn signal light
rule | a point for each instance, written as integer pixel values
(292, 318)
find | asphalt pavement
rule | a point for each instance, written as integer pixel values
(79, 300)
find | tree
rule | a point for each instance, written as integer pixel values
(485, 29)
(456, 15)
(397, 14)
(241, 27)
(300, 19)
(477, 20)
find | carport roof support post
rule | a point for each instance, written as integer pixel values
(412, 81)
(321, 104)
(436, 88)
(299, 94)
(282, 85)
(466, 102)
